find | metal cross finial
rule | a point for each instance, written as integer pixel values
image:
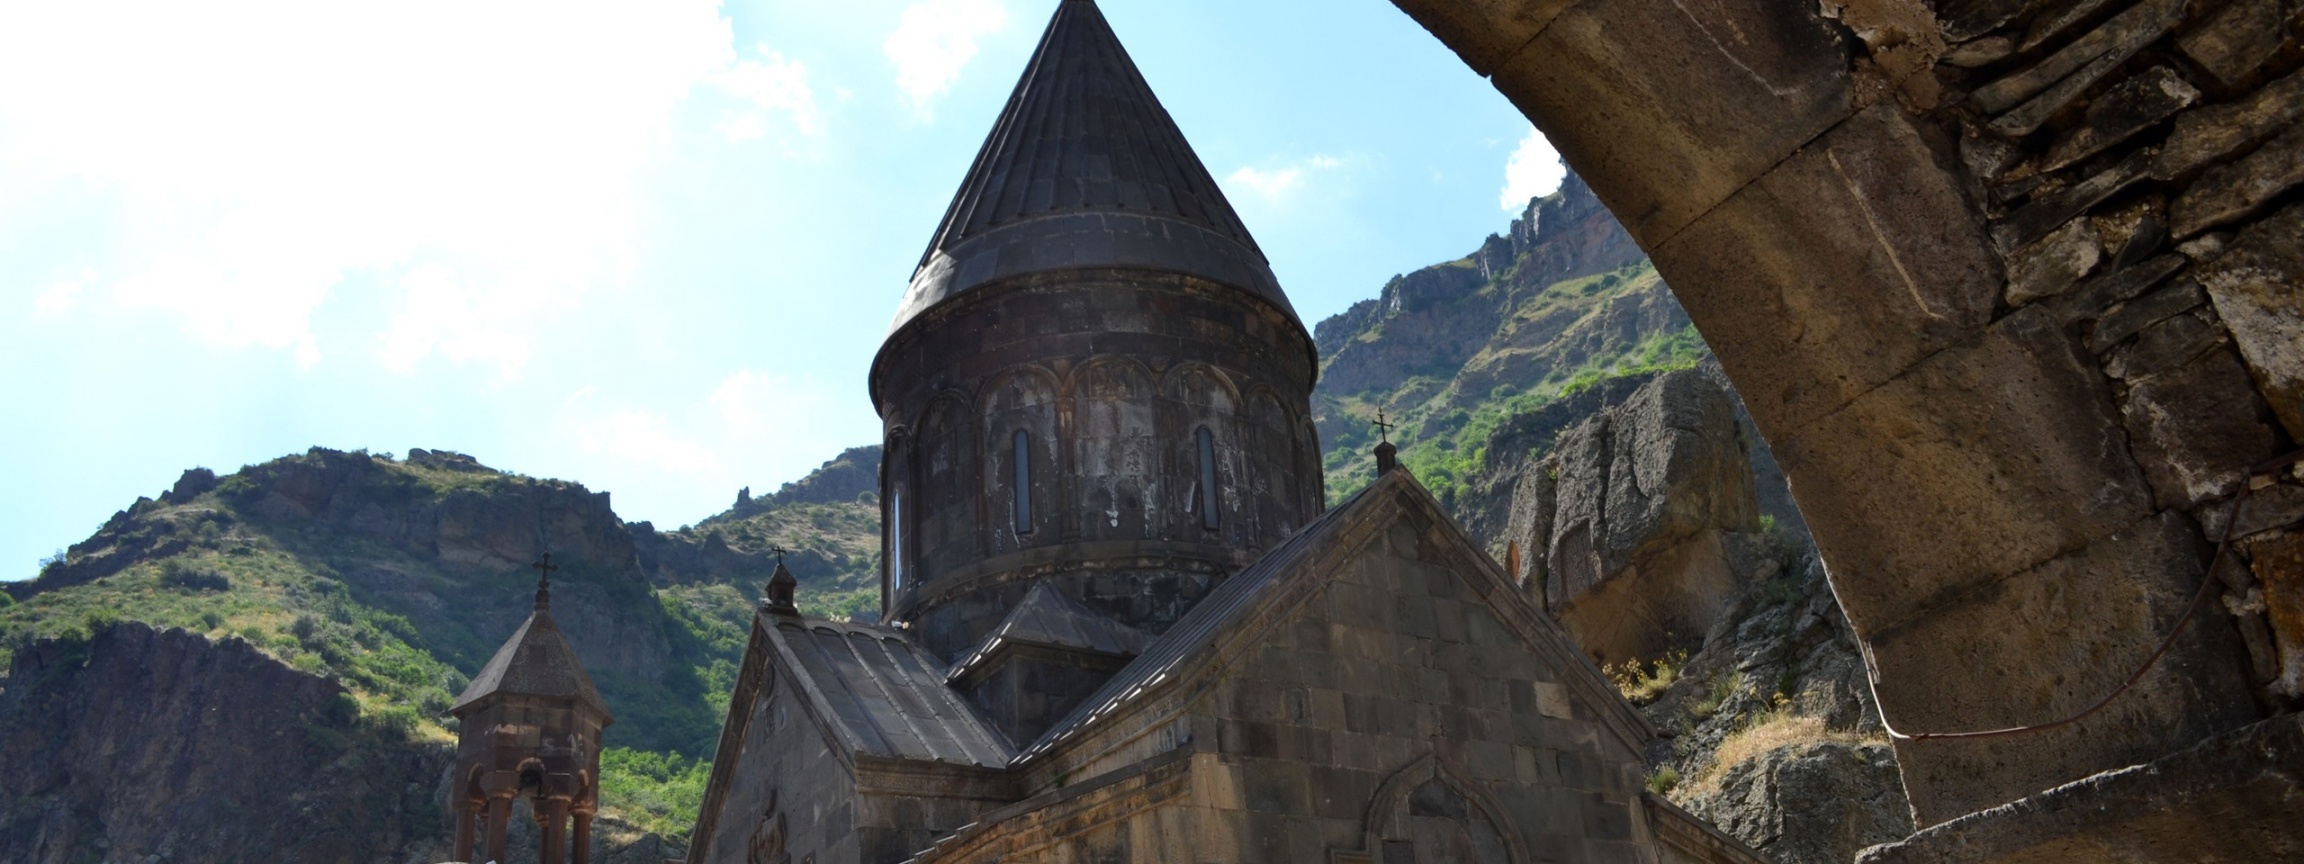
(544, 569)
(780, 552)
(1383, 428)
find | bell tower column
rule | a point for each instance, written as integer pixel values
(583, 836)
(555, 817)
(529, 725)
(499, 819)
(467, 813)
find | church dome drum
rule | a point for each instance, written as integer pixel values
(1094, 381)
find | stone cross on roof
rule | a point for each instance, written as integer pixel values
(544, 569)
(1387, 456)
(781, 586)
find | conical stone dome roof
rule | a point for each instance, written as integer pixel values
(1085, 169)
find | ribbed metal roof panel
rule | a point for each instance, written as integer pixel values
(886, 697)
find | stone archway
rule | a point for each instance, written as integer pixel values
(2013, 289)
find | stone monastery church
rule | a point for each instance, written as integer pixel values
(1119, 625)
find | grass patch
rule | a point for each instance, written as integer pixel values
(1765, 733)
(1716, 695)
(1641, 683)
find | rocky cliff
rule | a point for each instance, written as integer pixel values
(1550, 390)
(146, 745)
(387, 582)
(1557, 304)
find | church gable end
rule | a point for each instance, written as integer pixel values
(779, 789)
(851, 750)
(1399, 712)
(1371, 692)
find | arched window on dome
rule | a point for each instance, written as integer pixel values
(1023, 497)
(1209, 511)
(895, 540)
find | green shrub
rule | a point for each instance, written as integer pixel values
(659, 792)
(185, 576)
(99, 618)
(1641, 683)
(398, 722)
(1718, 694)
(1663, 780)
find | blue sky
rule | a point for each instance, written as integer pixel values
(647, 245)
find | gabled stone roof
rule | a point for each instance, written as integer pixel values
(1086, 169)
(536, 661)
(882, 695)
(1047, 618)
(1231, 613)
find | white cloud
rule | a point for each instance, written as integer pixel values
(441, 312)
(483, 158)
(1280, 183)
(933, 40)
(771, 84)
(62, 296)
(1534, 169)
(1270, 184)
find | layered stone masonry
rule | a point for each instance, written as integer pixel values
(2139, 166)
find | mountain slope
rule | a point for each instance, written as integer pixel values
(1561, 301)
(829, 521)
(389, 582)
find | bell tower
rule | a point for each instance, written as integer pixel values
(529, 725)
(1094, 382)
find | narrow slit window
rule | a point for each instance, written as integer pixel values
(895, 541)
(1207, 443)
(1023, 460)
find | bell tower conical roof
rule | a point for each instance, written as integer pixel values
(1086, 169)
(536, 661)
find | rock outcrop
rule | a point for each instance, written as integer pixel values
(1817, 802)
(1772, 731)
(435, 505)
(148, 745)
(1626, 528)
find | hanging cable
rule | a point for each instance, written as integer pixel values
(2207, 582)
